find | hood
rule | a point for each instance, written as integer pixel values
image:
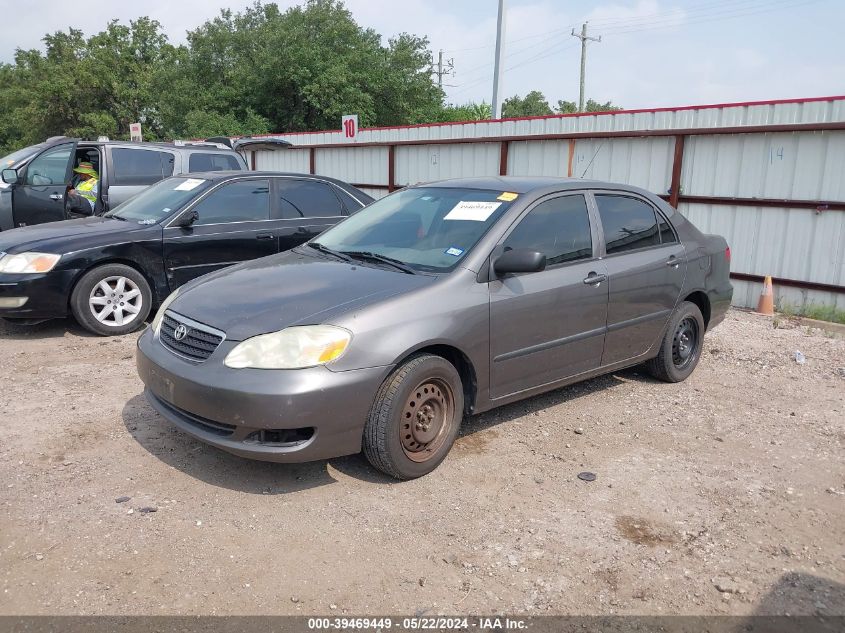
(272, 293)
(71, 235)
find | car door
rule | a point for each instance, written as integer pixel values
(549, 325)
(306, 207)
(233, 226)
(646, 266)
(40, 195)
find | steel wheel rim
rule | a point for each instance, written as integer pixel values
(115, 301)
(427, 419)
(685, 343)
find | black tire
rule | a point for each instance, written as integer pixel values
(680, 349)
(424, 386)
(90, 289)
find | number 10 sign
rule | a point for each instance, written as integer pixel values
(349, 125)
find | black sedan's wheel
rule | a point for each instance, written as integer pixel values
(111, 300)
(681, 346)
(415, 417)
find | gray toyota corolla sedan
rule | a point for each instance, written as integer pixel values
(437, 302)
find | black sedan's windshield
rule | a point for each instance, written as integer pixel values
(427, 228)
(160, 201)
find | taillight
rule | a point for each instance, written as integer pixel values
(728, 254)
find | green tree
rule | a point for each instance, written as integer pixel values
(570, 107)
(467, 112)
(534, 104)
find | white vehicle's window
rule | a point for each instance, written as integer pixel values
(559, 228)
(203, 161)
(138, 166)
(239, 201)
(628, 223)
(160, 201)
(427, 228)
(50, 168)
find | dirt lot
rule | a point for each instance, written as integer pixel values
(723, 494)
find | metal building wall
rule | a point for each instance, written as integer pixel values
(800, 244)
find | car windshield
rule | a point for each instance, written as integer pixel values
(428, 228)
(159, 201)
(14, 158)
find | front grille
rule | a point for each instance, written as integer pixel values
(203, 424)
(198, 343)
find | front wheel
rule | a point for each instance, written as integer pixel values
(680, 349)
(415, 417)
(110, 300)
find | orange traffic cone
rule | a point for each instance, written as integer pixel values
(766, 303)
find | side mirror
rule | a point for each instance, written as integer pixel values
(187, 219)
(520, 260)
(10, 176)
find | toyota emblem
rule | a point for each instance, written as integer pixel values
(180, 332)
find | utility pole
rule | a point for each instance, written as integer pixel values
(441, 69)
(583, 37)
(497, 71)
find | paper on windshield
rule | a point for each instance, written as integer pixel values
(477, 211)
(190, 184)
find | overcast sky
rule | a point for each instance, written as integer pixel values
(653, 52)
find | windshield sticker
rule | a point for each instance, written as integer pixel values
(190, 184)
(476, 211)
(507, 196)
(454, 251)
(148, 221)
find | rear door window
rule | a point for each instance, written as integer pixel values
(206, 161)
(238, 201)
(133, 167)
(629, 223)
(559, 228)
(306, 199)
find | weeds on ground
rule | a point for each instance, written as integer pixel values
(813, 311)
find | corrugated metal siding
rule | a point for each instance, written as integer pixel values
(709, 116)
(799, 244)
(422, 163)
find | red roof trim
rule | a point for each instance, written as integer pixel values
(578, 114)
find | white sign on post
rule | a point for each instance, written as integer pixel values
(135, 131)
(349, 126)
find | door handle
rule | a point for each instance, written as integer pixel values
(55, 196)
(264, 236)
(673, 262)
(594, 280)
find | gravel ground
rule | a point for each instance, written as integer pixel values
(724, 494)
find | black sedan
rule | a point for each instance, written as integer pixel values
(436, 302)
(110, 271)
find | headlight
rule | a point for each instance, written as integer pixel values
(156, 324)
(292, 348)
(28, 262)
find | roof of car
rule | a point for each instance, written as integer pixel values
(525, 184)
(194, 147)
(221, 175)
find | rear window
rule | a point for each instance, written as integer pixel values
(206, 161)
(133, 167)
(629, 224)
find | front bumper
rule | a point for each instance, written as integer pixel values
(47, 294)
(237, 409)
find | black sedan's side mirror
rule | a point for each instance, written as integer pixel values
(519, 260)
(10, 176)
(187, 219)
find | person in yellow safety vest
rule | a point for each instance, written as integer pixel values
(87, 183)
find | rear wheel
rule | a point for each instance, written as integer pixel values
(415, 417)
(680, 349)
(111, 300)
